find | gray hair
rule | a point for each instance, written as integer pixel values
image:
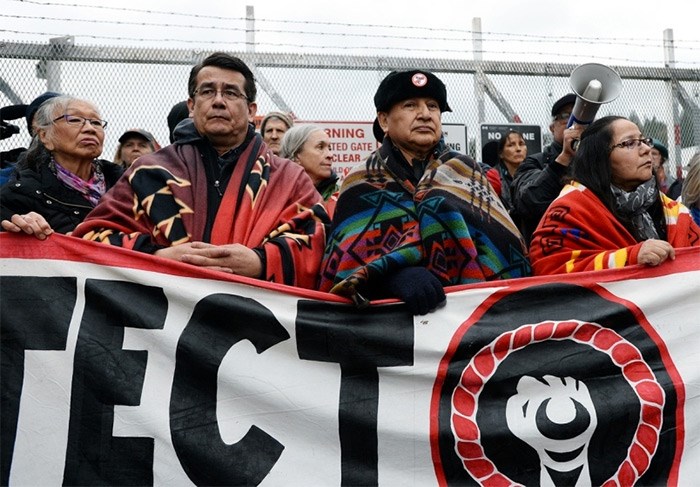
(282, 117)
(46, 113)
(690, 195)
(295, 138)
(37, 154)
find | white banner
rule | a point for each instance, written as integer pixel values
(121, 368)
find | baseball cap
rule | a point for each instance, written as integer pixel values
(140, 133)
(568, 99)
(660, 147)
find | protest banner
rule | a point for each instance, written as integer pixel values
(123, 368)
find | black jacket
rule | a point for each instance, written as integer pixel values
(40, 191)
(536, 183)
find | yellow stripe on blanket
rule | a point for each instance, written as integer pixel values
(570, 263)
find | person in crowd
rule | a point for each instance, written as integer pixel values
(612, 213)
(539, 179)
(659, 156)
(177, 114)
(217, 197)
(691, 188)
(669, 186)
(511, 152)
(61, 179)
(273, 127)
(675, 189)
(12, 159)
(489, 155)
(309, 146)
(417, 216)
(133, 144)
(8, 158)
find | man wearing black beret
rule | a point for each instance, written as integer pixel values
(417, 216)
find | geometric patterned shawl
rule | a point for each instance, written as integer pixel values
(452, 222)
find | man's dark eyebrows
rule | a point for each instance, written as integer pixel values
(232, 87)
(224, 86)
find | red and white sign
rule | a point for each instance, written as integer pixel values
(353, 142)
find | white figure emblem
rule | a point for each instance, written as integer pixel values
(556, 417)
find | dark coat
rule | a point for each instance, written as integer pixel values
(536, 183)
(41, 191)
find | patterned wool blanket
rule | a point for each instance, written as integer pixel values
(579, 233)
(451, 222)
(268, 205)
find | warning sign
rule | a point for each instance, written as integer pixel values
(353, 142)
(455, 136)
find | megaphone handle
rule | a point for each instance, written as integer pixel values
(573, 120)
(573, 142)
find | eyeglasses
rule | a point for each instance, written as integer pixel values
(562, 116)
(208, 93)
(77, 121)
(633, 143)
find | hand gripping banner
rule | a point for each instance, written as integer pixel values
(119, 368)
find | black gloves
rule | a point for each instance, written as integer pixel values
(417, 287)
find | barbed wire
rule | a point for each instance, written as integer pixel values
(449, 45)
(554, 39)
(345, 48)
(536, 40)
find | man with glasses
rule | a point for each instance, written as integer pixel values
(538, 180)
(218, 197)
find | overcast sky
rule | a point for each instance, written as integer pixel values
(604, 31)
(612, 32)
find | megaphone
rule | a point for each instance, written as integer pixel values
(594, 84)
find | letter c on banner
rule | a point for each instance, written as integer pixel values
(218, 322)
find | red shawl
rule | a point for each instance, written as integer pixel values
(162, 201)
(578, 233)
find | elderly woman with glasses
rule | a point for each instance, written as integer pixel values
(611, 214)
(61, 179)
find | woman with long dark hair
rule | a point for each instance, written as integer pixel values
(612, 213)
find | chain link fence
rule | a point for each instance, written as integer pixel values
(136, 87)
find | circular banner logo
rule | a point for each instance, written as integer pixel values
(530, 395)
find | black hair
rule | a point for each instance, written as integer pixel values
(224, 61)
(591, 164)
(591, 167)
